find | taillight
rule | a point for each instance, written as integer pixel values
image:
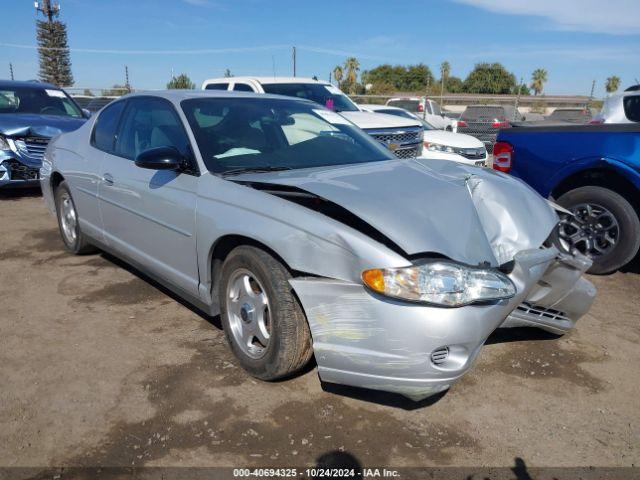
(499, 124)
(420, 107)
(596, 121)
(502, 157)
(462, 123)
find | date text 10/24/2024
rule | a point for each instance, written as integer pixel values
(315, 473)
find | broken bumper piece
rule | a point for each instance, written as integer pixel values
(366, 340)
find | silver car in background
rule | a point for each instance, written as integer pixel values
(310, 238)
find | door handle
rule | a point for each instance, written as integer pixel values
(107, 179)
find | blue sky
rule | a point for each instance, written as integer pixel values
(575, 40)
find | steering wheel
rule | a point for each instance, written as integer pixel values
(52, 110)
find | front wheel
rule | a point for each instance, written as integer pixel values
(68, 222)
(262, 319)
(604, 227)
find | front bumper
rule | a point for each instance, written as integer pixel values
(16, 173)
(366, 340)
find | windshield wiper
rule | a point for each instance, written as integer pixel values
(238, 171)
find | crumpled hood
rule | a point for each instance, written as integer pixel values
(468, 214)
(368, 120)
(25, 124)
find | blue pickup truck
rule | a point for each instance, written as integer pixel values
(591, 170)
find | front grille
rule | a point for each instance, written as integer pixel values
(404, 143)
(20, 171)
(34, 147)
(544, 312)
(438, 357)
(397, 137)
(408, 152)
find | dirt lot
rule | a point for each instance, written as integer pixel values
(100, 367)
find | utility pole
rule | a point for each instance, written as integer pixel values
(48, 9)
(294, 61)
(426, 94)
(593, 87)
(11, 70)
(515, 109)
(126, 79)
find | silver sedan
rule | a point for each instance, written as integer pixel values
(309, 238)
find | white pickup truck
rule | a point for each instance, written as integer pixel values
(427, 109)
(401, 135)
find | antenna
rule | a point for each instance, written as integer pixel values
(48, 9)
(294, 61)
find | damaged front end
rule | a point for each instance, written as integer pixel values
(437, 211)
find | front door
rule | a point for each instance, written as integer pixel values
(149, 215)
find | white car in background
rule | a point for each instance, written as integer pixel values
(440, 144)
(403, 136)
(426, 109)
(620, 108)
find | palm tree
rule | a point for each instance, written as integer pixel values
(352, 65)
(338, 74)
(538, 79)
(613, 82)
(445, 70)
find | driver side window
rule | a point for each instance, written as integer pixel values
(150, 123)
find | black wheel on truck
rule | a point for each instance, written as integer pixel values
(605, 227)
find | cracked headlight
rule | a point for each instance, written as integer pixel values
(438, 147)
(441, 283)
(4, 145)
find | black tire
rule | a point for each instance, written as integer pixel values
(289, 348)
(628, 241)
(79, 243)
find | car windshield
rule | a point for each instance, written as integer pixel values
(405, 114)
(243, 134)
(483, 114)
(406, 103)
(38, 100)
(326, 95)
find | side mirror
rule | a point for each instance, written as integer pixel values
(86, 113)
(160, 158)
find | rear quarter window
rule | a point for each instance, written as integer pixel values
(632, 107)
(217, 86)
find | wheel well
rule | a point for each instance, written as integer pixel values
(56, 179)
(224, 245)
(600, 177)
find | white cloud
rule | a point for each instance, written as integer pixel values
(617, 17)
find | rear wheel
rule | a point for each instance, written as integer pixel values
(68, 222)
(262, 319)
(605, 227)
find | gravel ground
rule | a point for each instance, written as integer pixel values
(99, 366)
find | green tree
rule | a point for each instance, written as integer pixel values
(352, 67)
(613, 83)
(455, 85)
(181, 82)
(227, 73)
(538, 79)
(53, 48)
(410, 78)
(338, 74)
(490, 78)
(87, 93)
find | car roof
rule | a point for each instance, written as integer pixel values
(176, 96)
(27, 83)
(267, 80)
